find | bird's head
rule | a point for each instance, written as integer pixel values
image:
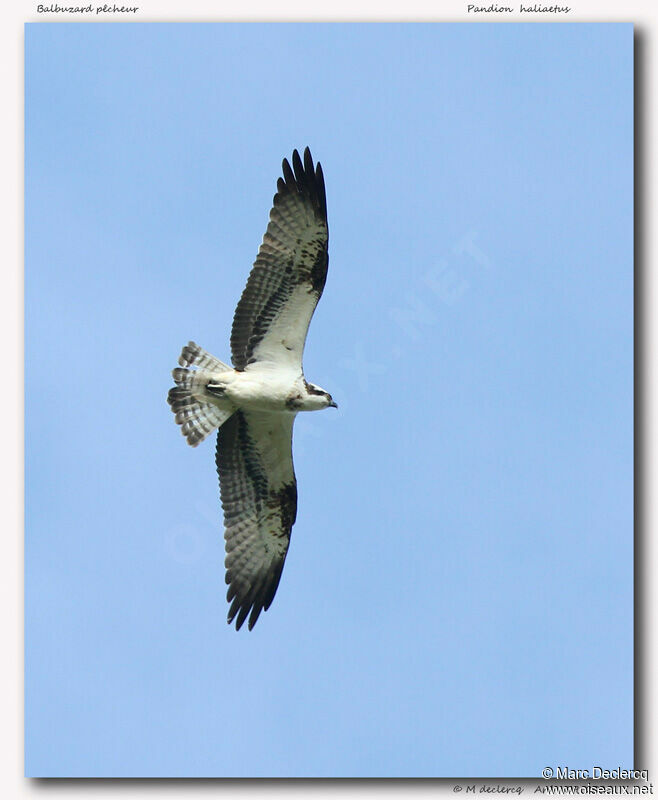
(318, 398)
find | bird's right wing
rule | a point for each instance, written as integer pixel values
(259, 497)
(272, 317)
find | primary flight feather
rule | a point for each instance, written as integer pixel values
(254, 404)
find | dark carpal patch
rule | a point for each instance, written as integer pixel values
(286, 499)
(319, 271)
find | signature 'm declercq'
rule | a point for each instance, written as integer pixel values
(254, 404)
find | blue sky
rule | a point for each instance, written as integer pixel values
(457, 599)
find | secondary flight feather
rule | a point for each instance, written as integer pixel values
(255, 402)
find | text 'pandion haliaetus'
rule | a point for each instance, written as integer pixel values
(255, 403)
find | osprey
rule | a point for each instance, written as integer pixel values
(254, 404)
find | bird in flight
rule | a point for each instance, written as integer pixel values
(255, 402)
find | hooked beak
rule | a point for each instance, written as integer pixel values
(332, 405)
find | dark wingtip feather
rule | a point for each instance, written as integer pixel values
(288, 175)
(255, 613)
(242, 616)
(233, 610)
(298, 168)
(304, 178)
(254, 608)
(322, 195)
(256, 600)
(308, 162)
(272, 584)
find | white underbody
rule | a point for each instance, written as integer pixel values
(261, 387)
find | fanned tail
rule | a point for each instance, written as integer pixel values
(195, 356)
(195, 410)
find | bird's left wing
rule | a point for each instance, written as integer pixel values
(272, 317)
(259, 497)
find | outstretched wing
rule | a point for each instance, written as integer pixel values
(259, 497)
(272, 318)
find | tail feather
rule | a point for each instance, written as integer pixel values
(195, 411)
(194, 356)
